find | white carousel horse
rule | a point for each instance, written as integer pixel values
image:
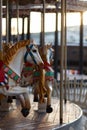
(46, 53)
(12, 65)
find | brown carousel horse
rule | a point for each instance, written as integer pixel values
(44, 77)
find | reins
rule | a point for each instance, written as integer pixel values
(30, 53)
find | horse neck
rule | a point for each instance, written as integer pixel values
(46, 56)
(17, 62)
(47, 62)
(42, 86)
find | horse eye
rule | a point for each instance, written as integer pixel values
(34, 51)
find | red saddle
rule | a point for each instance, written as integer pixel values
(3, 76)
(2, 73)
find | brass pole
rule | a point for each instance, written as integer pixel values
(62, 58)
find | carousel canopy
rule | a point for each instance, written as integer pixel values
(25, 6)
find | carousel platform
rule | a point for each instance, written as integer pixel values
(13, 120)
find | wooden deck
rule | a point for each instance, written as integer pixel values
(13, 120)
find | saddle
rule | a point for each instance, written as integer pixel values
(3, 75)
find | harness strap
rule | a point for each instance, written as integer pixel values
(29, 52)
(27, 69)
(25, 57)
(47, 66)
(11, 73)
(5, 81)
(48, 76)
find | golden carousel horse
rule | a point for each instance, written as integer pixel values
(12, 65)
(44, 77)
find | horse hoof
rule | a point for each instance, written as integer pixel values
(9, 100)
(49, 109)
(45, 95)
(14, 97)
(36, 100)
(25, 112)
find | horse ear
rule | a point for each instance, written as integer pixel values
(10, 44)
(49, 46)
(32, 41)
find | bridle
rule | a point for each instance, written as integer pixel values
(30, 53)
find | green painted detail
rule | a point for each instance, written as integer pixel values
(9, 72)
(28, 68)
(36, 73)
(16, 77)
(49, 73)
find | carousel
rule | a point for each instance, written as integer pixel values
(31, 97)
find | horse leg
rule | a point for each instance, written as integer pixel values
(22, 101)
(27, 101)
(36, 94)
(49, 109)
(24, 111)
(1, 97)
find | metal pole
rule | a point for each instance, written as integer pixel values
(62, 59)
(10, 17)
(1, 1)
(28, 30)
(56, 45)
(43, 25)
(17, 20)
(81, 45)
(65, 60)
(23, 28)
(41, 34)
(7, 22)
(43, 22)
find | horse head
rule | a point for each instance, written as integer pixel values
(47, 52)
(32, 54)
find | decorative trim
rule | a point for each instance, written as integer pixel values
(11, 73)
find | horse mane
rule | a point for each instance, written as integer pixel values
(11, 51)
(42, 49)
(42, 54)
(6, 47)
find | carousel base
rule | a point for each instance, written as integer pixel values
(13, 120)
(6, 107)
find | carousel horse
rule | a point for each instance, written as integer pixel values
(5, 49)
(46, 53)
(10, 71)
